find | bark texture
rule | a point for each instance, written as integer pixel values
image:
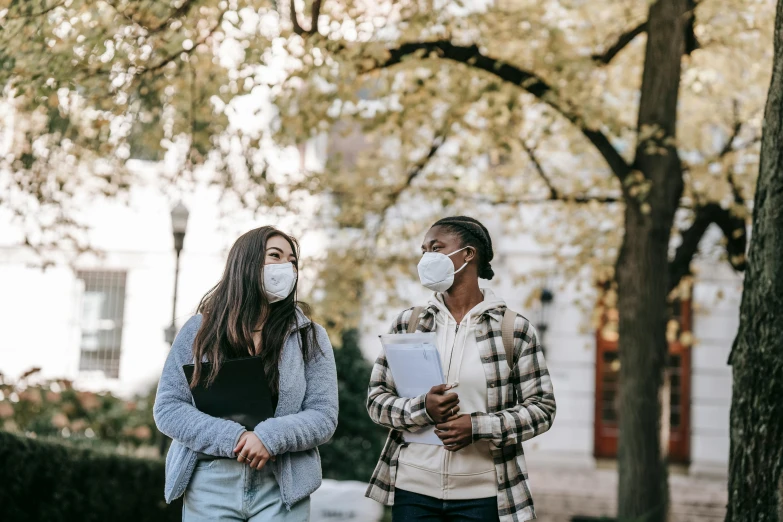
(642, 271)
(756, 455)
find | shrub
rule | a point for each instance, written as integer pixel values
(50, 481)
(54, 408)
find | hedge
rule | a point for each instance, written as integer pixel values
(50, 481)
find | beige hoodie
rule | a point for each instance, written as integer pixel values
(470, 472)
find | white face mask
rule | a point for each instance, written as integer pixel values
(436, 270)
(279, 281)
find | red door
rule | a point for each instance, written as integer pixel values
(677, 384)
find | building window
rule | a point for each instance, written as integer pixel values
(102, 308)
(677, 379)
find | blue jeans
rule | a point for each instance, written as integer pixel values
(412, 507)
(224, 489)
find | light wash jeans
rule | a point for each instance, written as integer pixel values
(224, 489)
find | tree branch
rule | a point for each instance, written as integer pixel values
(36, 14)
(528, 81)
(126, 15)
(314, 16)
(553, 192)
(735, 130)
(294, 18)
(414, 172)
(691, 43)
(182, 10)
(733, 228)
(729, 147)
(581, 199)
(164, 62)
(577, 199)
(621, 43)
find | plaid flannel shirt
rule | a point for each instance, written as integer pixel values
(520, 405)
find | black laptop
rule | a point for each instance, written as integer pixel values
(240, 392)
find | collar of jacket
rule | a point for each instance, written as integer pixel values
(496, 313)
(302, 321)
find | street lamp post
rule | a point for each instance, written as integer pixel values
(179, 225)
(546, 299)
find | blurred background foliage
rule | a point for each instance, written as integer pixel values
(54, 408)
(353, 451)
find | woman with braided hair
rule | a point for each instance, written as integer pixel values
(491, 404)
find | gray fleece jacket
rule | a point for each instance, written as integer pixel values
(306, 417)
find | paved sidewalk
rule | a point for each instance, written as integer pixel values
(560, 494)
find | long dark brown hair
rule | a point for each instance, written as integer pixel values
(232, 309)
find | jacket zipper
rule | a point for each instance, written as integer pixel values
(446, 453)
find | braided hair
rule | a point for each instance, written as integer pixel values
(472, 233)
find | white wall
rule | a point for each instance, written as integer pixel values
(37, 320)
(716, 302)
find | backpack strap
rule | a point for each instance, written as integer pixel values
(413, 322)
(507, 329)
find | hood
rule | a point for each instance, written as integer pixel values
(445, 323)
(490, 305)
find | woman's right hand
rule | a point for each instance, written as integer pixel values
(250, 450)
(441, 406)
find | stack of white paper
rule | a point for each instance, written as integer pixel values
(415, 365)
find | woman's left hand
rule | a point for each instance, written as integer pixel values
(456, 433)
(252, 451)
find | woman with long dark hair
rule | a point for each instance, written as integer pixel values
(225, 471)
(497, 394)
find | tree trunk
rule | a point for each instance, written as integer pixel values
(642, 271)
(756, 455)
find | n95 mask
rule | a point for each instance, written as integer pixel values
(436, 270)
(279, 281)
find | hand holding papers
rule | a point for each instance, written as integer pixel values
(442, 405)
(415, 365)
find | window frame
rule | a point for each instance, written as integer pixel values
(112, 283)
